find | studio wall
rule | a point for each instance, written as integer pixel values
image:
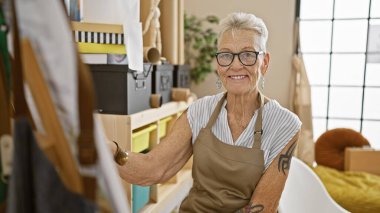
(279, 18)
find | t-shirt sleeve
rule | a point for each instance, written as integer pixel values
(191, 117)
(199, 113)
(287, 128)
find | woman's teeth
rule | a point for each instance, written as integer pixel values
(237, 77)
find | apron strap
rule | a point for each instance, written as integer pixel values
(216, 112)
(258, 125)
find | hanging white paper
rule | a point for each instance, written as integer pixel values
(130, 12)
(126, 13)
(101, 11)
(134, 45)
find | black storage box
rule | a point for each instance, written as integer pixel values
(163, 81)
(181, 76)
(120, 90)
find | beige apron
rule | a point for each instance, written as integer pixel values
(225, 176)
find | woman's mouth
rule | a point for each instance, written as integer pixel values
(238, 77)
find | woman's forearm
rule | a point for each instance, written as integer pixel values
(176, 167)
(163, 161)
(140, 169)
(267, 194)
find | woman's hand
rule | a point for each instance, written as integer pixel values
(252, 208)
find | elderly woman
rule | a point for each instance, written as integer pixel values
(242, 141)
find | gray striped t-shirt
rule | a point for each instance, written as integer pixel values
(279, 125)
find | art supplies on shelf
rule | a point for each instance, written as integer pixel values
(101, 48)
(99, 38)
(98, 33)
(104, 58)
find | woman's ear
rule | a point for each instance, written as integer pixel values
(265, 64)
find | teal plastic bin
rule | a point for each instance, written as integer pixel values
(140, 197)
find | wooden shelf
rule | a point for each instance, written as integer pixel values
(120, 128)
(145, 117)
(171, 195)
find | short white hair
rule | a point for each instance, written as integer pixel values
(246, 21)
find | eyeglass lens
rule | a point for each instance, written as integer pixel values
(246, 58)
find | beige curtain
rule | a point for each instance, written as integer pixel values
(301, 103)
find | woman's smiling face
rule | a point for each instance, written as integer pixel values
(238, 78)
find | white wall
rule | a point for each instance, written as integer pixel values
(279, 18)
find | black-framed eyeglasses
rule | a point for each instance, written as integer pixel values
(247, 58)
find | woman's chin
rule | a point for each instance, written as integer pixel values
(238, 90)
(239, 86)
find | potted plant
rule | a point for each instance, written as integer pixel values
(201, 45)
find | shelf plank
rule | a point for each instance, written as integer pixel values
(143, 118)
(171, 195)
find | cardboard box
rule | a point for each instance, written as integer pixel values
(362, 160)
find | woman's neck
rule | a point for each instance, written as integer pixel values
(243, 105)
(241, 108)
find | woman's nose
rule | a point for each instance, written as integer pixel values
(236, 62)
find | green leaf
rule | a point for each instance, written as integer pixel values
(212, 19)
(203, 45)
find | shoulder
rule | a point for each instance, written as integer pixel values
(282, 125)
(282, 117)
(200, 110)
(206, 103)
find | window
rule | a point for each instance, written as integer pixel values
(340, 42)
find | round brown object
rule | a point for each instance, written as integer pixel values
(180, 94)
(155, 100)
(152, 55)
(330, 146)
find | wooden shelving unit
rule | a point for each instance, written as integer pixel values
(171, 195)
(119, 128)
